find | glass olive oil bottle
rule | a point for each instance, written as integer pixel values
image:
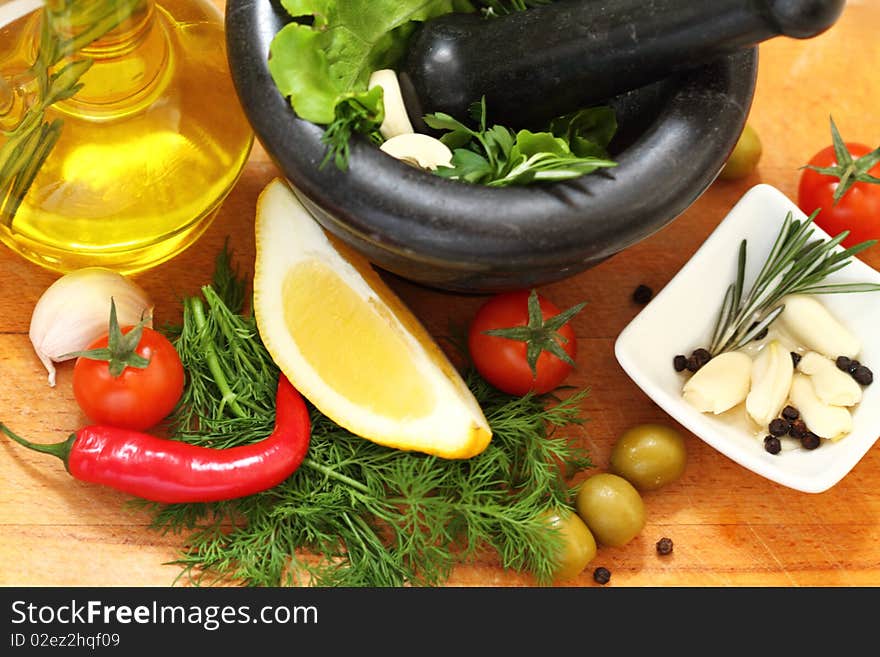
(140, 149)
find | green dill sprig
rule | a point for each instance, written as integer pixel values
(357, 513)
(360, 113)
(796, 265)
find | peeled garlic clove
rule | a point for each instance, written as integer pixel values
(74, 311)
(720, 384)
(771, 377)
(832, 385)
(813, 326)
(824, 420)
(421, 150)
(396, 121)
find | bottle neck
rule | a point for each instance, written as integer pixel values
(134, 21)
(129, 56)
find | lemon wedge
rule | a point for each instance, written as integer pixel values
(349, 344)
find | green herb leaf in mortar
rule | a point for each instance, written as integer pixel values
(322, 61)
(357, 513)
(498, 157)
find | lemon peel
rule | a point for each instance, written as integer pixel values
(349, 344)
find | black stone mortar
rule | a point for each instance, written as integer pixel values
(674, 137)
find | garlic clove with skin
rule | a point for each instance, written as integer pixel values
(396, 121)
(824, 420)
(772, 372)
(832, 385)
(720, 384)
(420, 150)
(74, 311)
(813, 326)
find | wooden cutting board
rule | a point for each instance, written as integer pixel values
(730, 527)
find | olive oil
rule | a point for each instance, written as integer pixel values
(150, 145)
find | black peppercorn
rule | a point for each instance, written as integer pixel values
(680, 363)
(790, 413)
(810, 440)
(863, 375)
(795, 358)
(779, 427)
(642, 294)
(798, 429)
(698, 358)
(664, 546)
(842, 363)
(602, 575)
(772, 444)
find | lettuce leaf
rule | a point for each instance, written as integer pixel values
(327, 54)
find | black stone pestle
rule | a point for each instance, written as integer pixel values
(553, 59)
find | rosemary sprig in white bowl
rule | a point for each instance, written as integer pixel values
(796, 265)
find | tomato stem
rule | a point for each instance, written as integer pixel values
(121, 350)
(848, 170)
(540, 335)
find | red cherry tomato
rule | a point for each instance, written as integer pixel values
(857, 211)
(139, 398)
(503, 361)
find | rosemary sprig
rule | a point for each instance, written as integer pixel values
(357, 513)
(796, 265)
(29, 144)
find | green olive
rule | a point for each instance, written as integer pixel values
(744, 157)
(649, 456)
(578, 546)
(611, 507)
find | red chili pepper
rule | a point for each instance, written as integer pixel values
(171, 471)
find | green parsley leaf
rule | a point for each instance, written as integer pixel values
(496, 156)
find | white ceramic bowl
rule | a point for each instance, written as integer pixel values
(681, 317)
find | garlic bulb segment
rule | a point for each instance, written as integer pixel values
(832, 385)
(771, 376)
(824, 420)
(813, 326)
(720, 384)
(396, 121)
(420, 150)
(74, 311)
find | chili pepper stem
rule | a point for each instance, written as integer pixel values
(61, 450)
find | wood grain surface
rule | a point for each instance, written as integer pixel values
(730, 527)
